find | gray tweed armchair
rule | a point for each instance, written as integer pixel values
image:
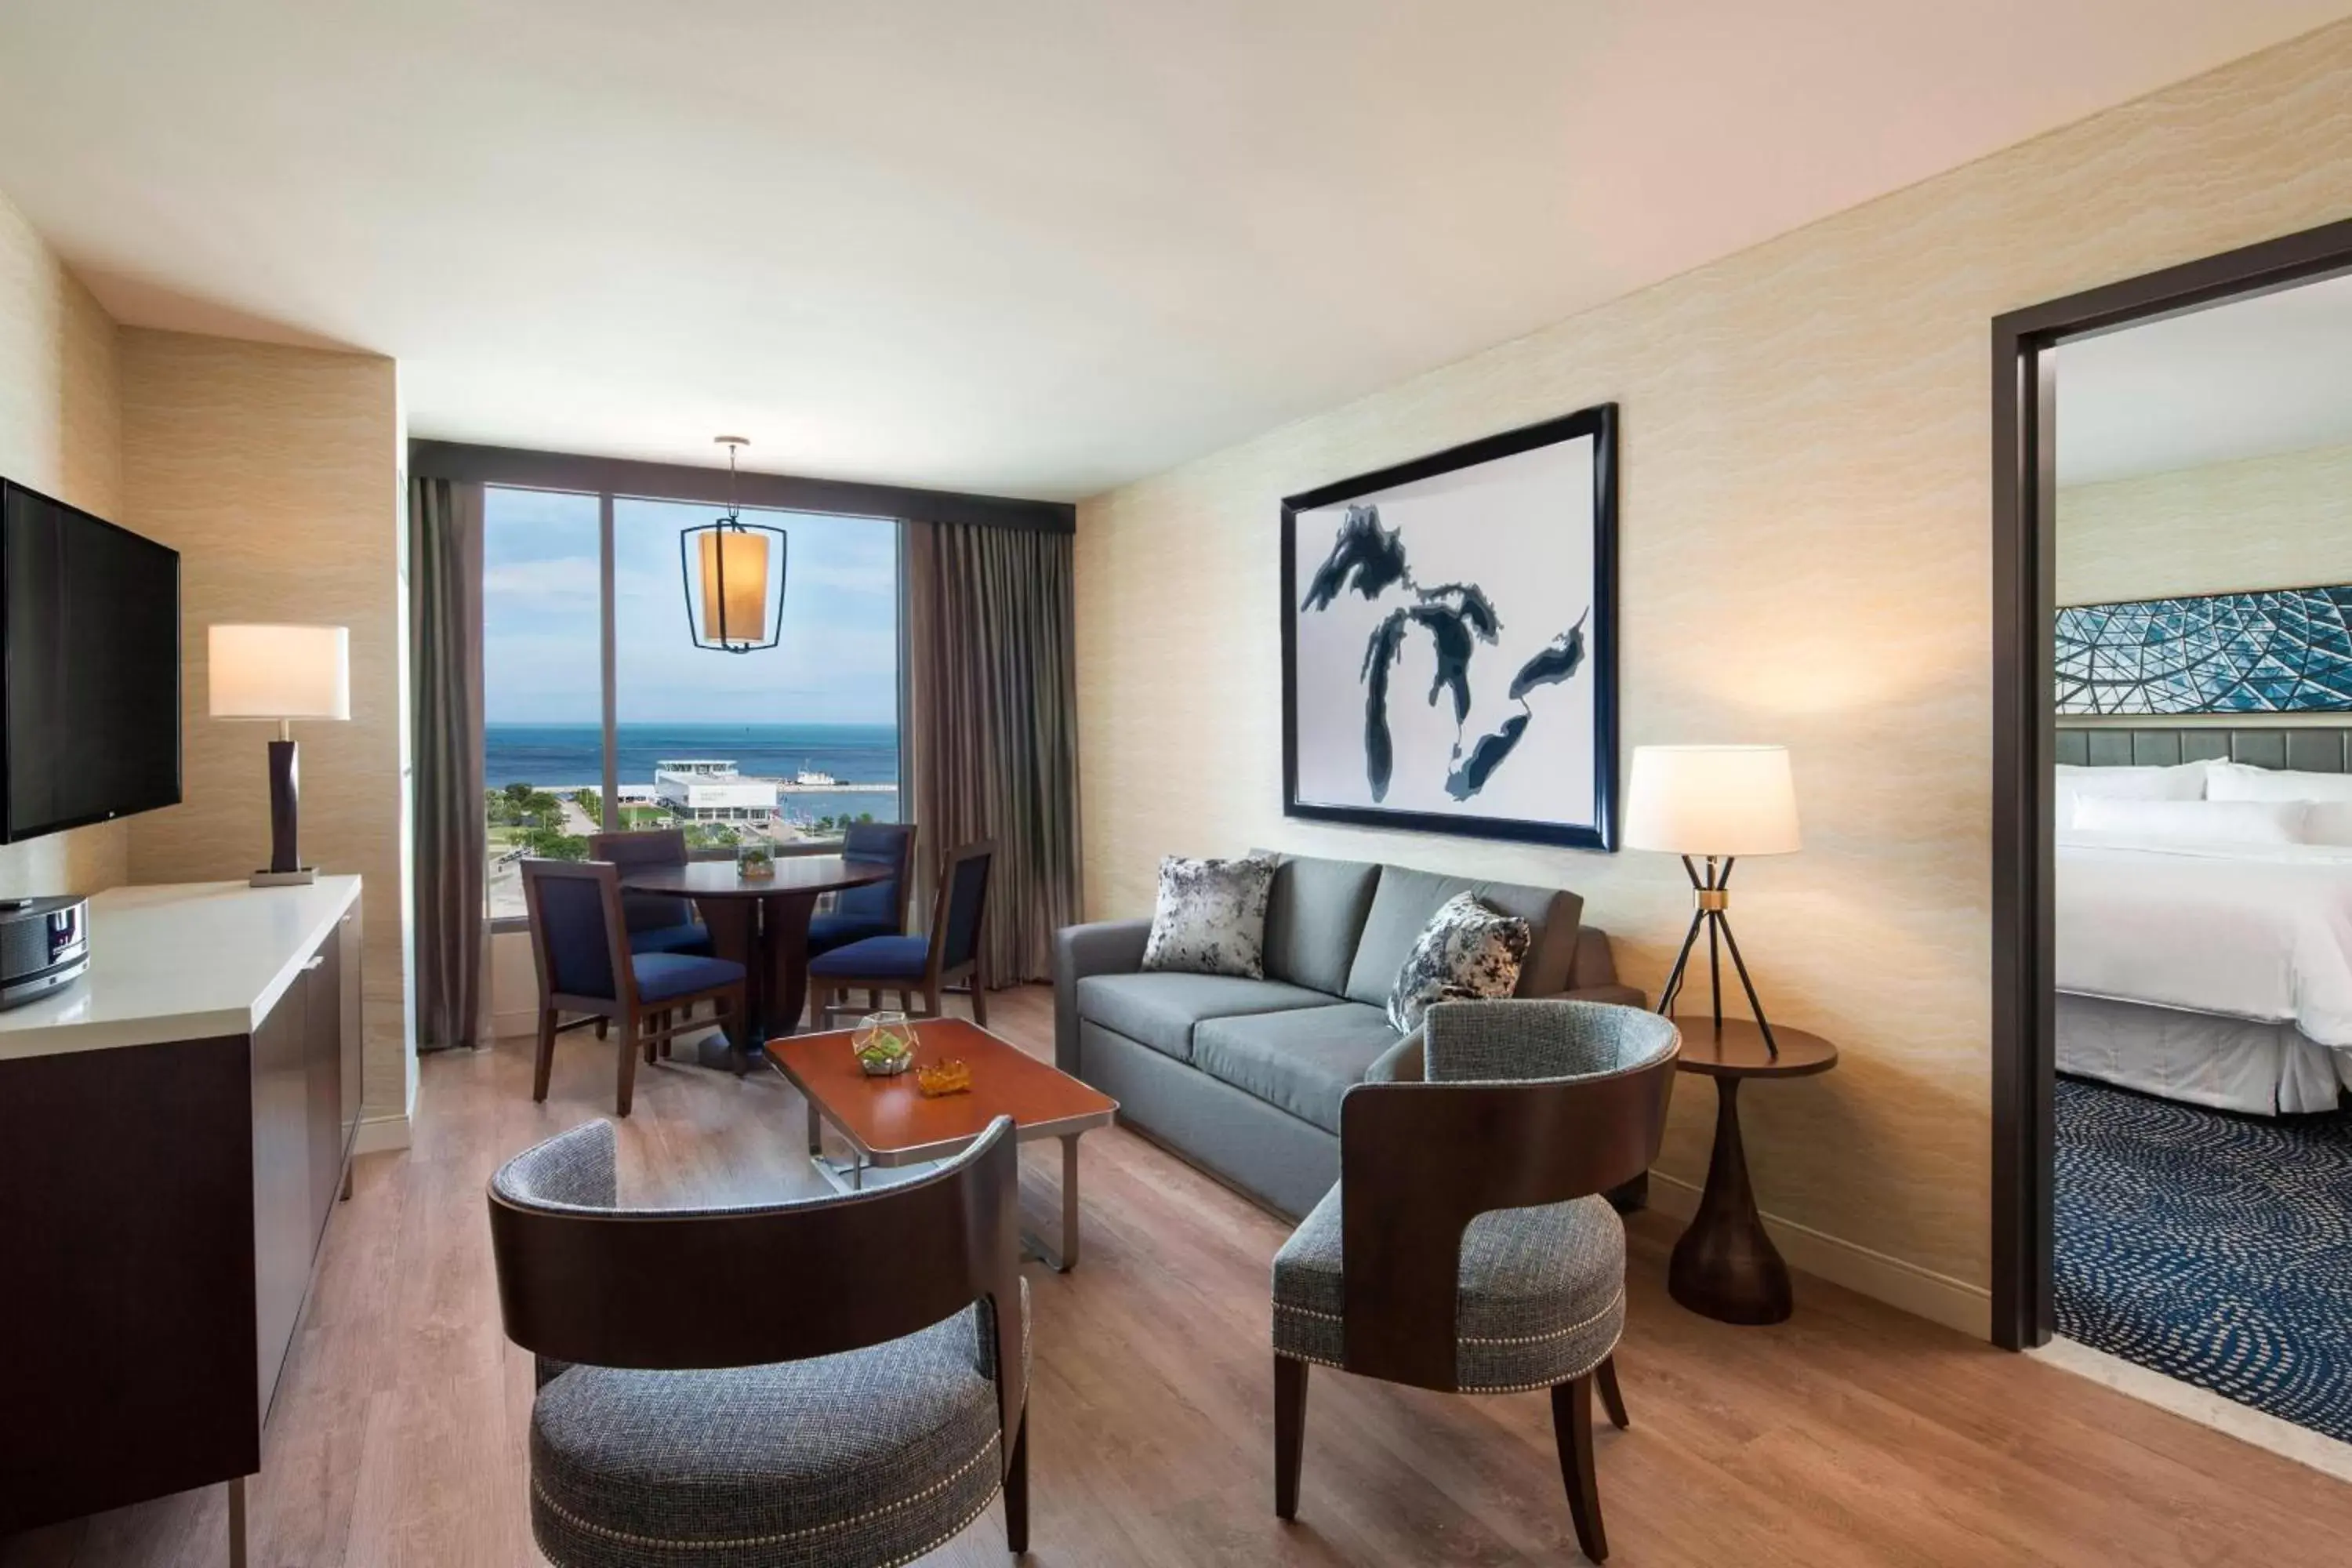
(1467, 1246)
(838, 1381)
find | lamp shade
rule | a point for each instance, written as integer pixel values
(734, 585)
(1712, 800)
(279, 672)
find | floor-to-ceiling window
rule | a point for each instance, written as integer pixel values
(780, 746)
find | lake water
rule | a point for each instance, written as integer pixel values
(572, 754)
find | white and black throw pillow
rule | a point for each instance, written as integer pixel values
(1210, 917)
(1467, 952)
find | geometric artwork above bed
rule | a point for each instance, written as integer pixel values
(2283, 650)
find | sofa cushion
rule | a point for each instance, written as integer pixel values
(1468, 952)
(1160, 1008)
(1210, 918)
(1313, 918)
(1302, 1060)
(1405, 901)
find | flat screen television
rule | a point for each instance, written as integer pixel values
(89, 689)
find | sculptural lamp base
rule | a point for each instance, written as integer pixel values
(1712, 896)
(286, 868)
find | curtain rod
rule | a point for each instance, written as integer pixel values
(526, 469)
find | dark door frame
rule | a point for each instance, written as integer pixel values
(2024, 449)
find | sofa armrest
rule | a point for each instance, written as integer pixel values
(1595, 962)
(1400, 1063)
(1106, 947)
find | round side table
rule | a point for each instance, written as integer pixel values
(1725, 1266)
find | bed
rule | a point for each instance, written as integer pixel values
(2204, 951)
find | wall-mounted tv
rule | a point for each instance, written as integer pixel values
(89, 689)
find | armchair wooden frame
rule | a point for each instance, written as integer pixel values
(1419, 1162)
(632, 1287)
(643, 1028)
(829, 994)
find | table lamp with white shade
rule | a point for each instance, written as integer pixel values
(281, 673)
(1714, 804)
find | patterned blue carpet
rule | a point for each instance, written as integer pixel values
(2212, 1247)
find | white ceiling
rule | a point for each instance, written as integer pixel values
(2272, 373)
(1032, 247)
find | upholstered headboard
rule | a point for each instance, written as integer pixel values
(2312, 748)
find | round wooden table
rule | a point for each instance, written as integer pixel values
(1725, 1266)
(761, 922)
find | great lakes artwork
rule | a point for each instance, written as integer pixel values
(1446, 657)
(1456, 616)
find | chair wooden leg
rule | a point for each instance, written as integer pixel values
(979, 1005)
(1612, 1398)
(544, 1062)
(1571, 1428)
(1289, 1432)
(601, 1031)
(628, 1054)
(1017, 1491)
(906, 1002)
(660, 1021)
(874, 999)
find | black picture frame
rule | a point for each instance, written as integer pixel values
(1597, 423)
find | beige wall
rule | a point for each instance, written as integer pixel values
(1805, 546)
(60, 433)
(2284, 520)
(276, 472)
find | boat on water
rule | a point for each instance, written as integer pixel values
(809, 779)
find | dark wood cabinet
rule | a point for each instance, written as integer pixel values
(161, 1207)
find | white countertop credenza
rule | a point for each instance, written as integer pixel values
(176, 1127)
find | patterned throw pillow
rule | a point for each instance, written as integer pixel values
(1465, 953)
(1210, 917)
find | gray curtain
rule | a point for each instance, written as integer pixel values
(444, 642)
(991, 750)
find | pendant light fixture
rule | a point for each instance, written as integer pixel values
(726, 567)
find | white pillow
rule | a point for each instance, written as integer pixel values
(2237, 780)
(2329, 822)
(2185, 782)
(2194, 821)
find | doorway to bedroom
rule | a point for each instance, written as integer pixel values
(2174, 832)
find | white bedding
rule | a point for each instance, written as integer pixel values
(2255, 931)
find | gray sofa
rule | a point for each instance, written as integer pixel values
(1243, 1077)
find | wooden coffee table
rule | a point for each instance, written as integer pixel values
(890, 1125)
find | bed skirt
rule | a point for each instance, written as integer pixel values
(2200, 1059)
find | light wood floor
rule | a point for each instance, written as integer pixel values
(1852, 1434)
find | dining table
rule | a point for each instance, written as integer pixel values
(761, 921)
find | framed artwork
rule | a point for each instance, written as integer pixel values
(2278, 650)
(1449, 640)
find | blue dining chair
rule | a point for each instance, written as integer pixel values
(579, 942)
(876, 909)
(923, 965)
(656, 923)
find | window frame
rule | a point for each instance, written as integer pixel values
(608, 661)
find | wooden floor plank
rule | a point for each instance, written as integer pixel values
(1852, 1434)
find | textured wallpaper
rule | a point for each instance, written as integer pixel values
(59, 433)
(275, 471)
(2283, 520)
(1806, 515)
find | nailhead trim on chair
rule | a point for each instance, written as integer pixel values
(627, 1540)
(1478, 1339)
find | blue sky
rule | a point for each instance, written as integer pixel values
(838, 661)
